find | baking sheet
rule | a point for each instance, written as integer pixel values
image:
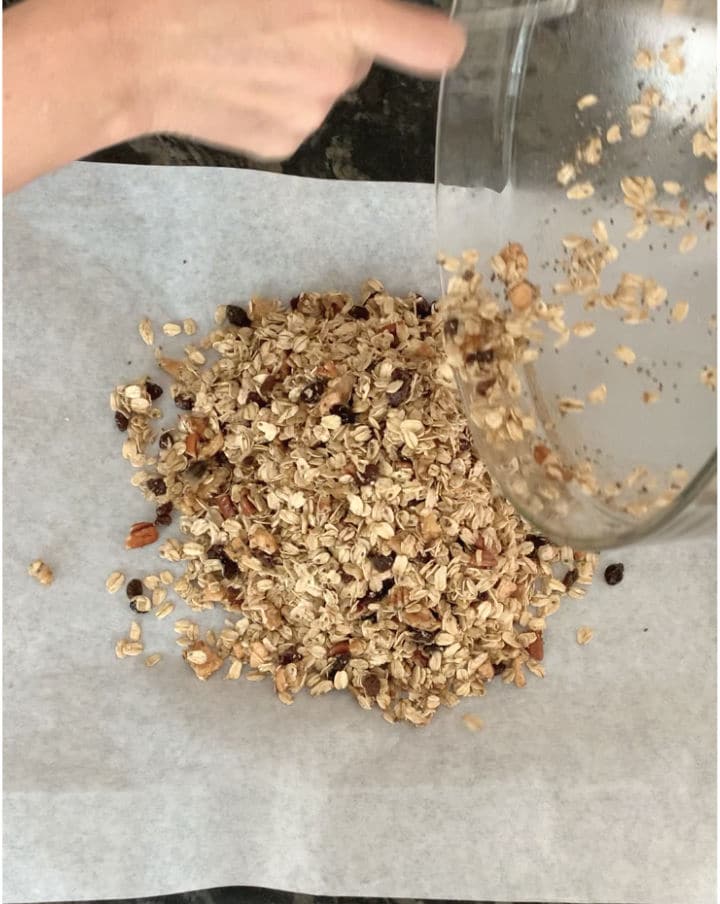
(595, 784)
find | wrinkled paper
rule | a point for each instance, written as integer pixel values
(594, 784)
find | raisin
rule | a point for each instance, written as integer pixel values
(237, 316)
(121, 422)
(157, 486)
(289, 655)
(370, 474)
(371, 685)
(166, 440)
(537, 541)
(484, 356)
(452, 325)
(338, 664)
(312, 392)
(163, 514)
(423, 308)
(401, 395)
(257, 398)
(344, 412)
(614, 573)
(134, 588)
(358, 312)
(153, 390)
(294, 302)
(184, 402)
(570, 578)
(387, 586)
(382, 563)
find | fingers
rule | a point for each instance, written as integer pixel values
(414, 38)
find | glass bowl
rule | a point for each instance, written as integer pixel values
(575, 156)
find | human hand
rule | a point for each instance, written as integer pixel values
(262, 75)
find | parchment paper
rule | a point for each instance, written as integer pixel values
(596, 784)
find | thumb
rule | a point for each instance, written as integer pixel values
(405, 36)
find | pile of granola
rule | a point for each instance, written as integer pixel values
(328, 497)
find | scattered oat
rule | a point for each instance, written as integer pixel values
(587, 100)
(644, 59)
(625, 354)
(135, 632)
(472, 722)
(640, 119)
(164, 610)
(153, 659)
(679, 311)
(711, 183)
(172, 329)
(41, 572)
(584, 328)
(597, 395)
(650, 397)
(613, 134)
(580, 191)
(115, 582)
(708, 376)
(584, 635)
(687, 243)
(566, 174)
(569, 404)
(189, 326)
(146, 331)
(672, 58)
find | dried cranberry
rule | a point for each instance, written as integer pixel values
(153, 390)
(312, 392)
(237, 316)
(157, 486)
(184, 402)
(134, 588)
(344, 412)
(166, 440)
(614, 573)
(121, 422)
(358, 312)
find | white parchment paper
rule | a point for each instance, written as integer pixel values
(596, 784)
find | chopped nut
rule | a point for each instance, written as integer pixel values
(41, 572)
(202, 660)
(142, 533)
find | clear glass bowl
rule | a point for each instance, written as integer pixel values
(520, 106)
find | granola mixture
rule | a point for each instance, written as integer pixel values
(329, 499)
